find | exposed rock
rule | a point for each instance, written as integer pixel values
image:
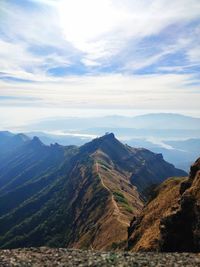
(171, 220)
(40, 257)
(180, 231)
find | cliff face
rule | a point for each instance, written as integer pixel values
(180, 231)
(171, 220)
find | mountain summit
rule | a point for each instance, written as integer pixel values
(75, 197)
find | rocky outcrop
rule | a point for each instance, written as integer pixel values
(170, 222)
(180, 231)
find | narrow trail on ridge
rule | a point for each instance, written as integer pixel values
(116, 211)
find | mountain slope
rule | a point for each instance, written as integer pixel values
(171, 220)
(9, 142)
(75, 197)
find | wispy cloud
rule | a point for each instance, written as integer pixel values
(94, 34)
(110, 91)
(100, 54)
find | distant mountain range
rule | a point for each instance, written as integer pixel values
(158, 121)
(181, 153)
(82, 197)
(162, 126)
(176, 136)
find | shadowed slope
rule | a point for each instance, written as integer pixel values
(171, 220)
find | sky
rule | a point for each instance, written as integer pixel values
(94, 57)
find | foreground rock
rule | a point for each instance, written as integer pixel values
(39, 257)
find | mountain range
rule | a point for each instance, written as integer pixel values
(181, 153)
(69, 196)
(158, 121)
(174, 135)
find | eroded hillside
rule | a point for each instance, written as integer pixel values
(171, 220)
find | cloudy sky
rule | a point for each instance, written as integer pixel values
(92, 57)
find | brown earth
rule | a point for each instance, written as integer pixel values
(171, 220)
(110, 228)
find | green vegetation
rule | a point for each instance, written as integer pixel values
(120, 198)
(128, 208)
(104, 168)
(103, 164)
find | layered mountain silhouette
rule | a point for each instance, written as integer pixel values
(170, 222)
(68, 196)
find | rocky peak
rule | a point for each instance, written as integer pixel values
(108, 144)
(36, 141)
(108, 136)
(194, 168)
(193, 172)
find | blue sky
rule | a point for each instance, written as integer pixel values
(99, 54)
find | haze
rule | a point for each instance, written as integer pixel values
(83, 58)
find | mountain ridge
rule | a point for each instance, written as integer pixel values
(73, 196)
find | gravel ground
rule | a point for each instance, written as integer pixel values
(69, 257)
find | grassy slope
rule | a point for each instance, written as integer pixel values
(146, 235)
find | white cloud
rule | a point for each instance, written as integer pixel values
(35, 26)
(92, 31)
(26, 37)
(102, 28)
(110, 91)
(194, 54)
(98, 34)
(18, 62)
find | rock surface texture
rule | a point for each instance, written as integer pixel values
(180, 231)
(170, 222)
(39, 257)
